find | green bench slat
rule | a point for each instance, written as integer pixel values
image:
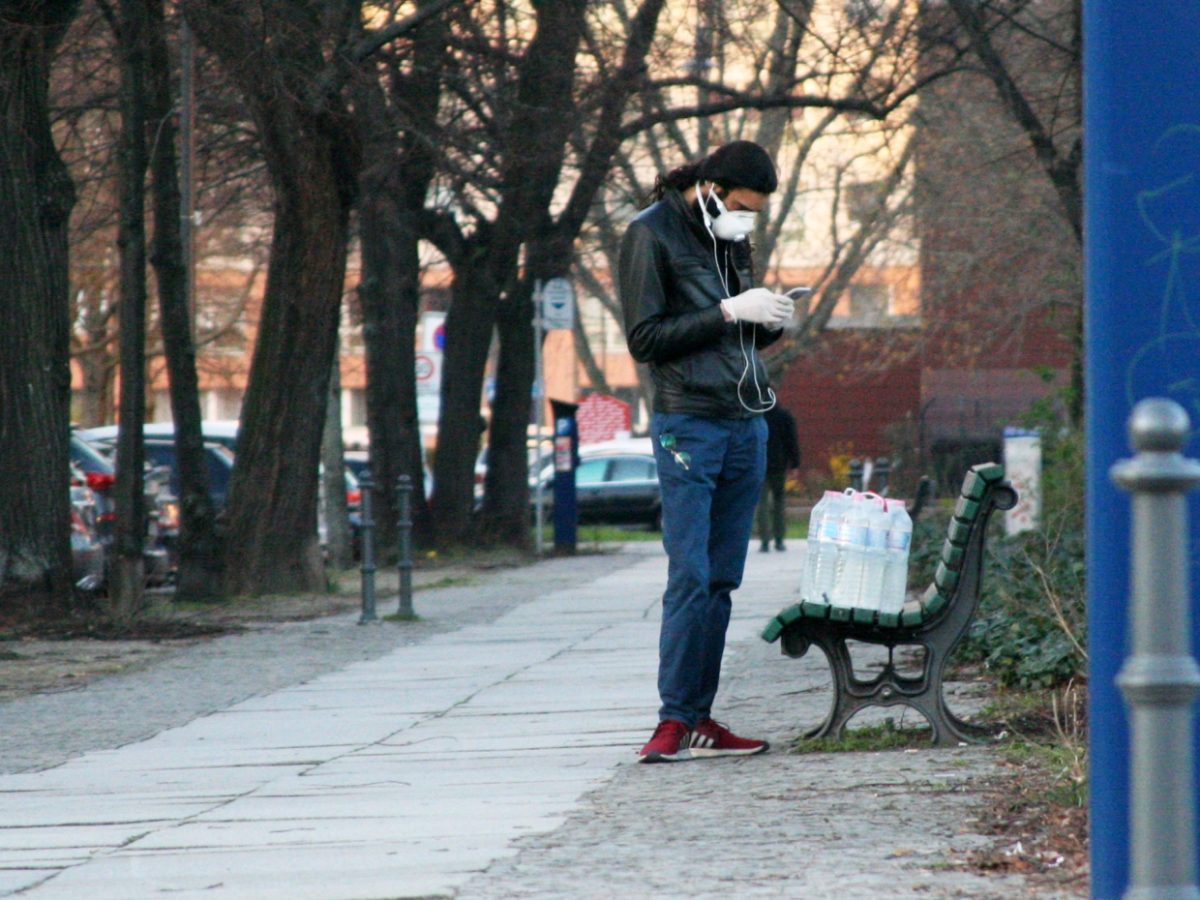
(840, 613)
(933, 601)
(912, 615)
(791, 614)
(786, 617)
(815, 610)
(958, 532)
(864, 616)
(952, 554)
(966, 510)
(974, 486)
(990, 472)
(774, 629)
(945, 578)
(889, 619)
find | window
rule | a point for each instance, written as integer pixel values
(591, 471)
(632, 468)
(868, 302)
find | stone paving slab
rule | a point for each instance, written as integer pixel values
(488, 753)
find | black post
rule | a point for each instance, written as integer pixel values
(367, 485)
(883, 469)
(856, 474)
(404, 531)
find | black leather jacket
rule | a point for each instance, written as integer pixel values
(670, 291)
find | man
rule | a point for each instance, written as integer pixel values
(783, 454)
(693, 316)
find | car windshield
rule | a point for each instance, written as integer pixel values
(88, 458)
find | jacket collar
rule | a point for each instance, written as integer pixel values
(690, 214)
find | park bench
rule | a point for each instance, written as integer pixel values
(935, 622)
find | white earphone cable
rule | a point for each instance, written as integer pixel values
(764, 403)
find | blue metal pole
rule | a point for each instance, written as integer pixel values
(1142, 332)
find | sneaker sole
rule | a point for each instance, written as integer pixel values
(712, 752)
(682, 756)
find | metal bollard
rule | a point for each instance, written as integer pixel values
(856, 474)
(883, 470)
(404, 530)
(1160, 679)
(367, 550)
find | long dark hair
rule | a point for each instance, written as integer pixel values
(679, 179)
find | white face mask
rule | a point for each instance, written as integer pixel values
(728, 226)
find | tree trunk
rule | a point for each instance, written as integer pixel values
(397, 171)
(468, 337)
(333, 479)
(271, 545)
(128, 582)
(36, 195)
(389, 291)
(542, 119)
(273, 53)
(505, 517)
(198, 575)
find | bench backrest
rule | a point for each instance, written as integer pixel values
(960, 565)
(955, 589)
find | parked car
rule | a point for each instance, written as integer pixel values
(358, 461)
(95, 467)
(216, 431)
(88, 552)
(220, 442)
(612, 487)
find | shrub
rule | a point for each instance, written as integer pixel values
(1031, 628)
(1033, 624)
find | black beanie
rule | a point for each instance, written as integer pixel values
(740, 164)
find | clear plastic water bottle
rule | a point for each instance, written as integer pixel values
(899, 539)
(815, 522)
(874, 555)
(851, 541)
(822, 564)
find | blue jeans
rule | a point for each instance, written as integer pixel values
(708, 513)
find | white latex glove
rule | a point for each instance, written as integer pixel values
(761, 306)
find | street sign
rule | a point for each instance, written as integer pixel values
(429, 372)
(558, 304)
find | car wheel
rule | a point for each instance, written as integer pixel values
(656, 520)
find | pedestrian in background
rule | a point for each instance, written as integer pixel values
(783, 455)
(692, 314)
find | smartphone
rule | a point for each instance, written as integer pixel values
(798, 293)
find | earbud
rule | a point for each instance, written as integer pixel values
(704, 214)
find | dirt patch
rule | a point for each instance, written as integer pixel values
(49, 656)
(1037, 810)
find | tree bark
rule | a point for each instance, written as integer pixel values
(541, 120)
(128, 580)
(273, 52)
(198, 576)
(397, 172)
(469, 325)
(545, 115)
(36, 195)
(333, 479)
(390, 295)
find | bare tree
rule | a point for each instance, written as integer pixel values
(398, 129)
(197, 575)
(290, 61)
(131, 24)
(37, 196)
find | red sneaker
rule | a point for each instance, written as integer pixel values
(711, 738)
(669, 743)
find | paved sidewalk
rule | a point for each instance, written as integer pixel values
(486, 752)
